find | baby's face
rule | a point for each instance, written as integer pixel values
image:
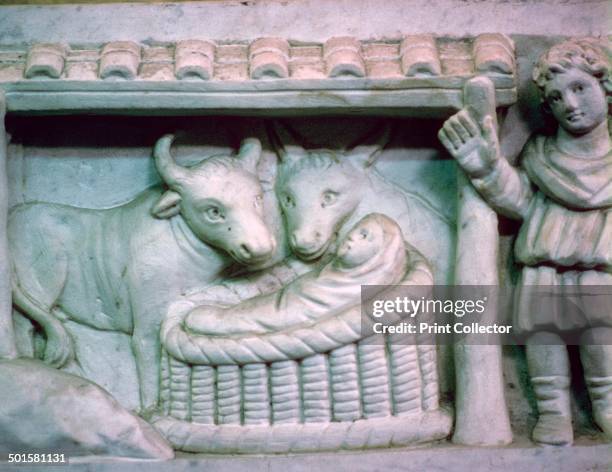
(361, 244)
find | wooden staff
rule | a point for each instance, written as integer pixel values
(480, 404)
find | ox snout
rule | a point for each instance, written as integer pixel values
(255, 252)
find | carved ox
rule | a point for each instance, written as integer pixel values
(323, 194)
(118, 269)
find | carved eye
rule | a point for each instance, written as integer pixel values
(363, 234)
(213, 214)
(258, 201)
(578, 88)
(329, 198)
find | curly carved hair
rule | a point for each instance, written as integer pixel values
(590, 55)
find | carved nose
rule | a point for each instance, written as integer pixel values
(571, 103)
(245, 251)
(298, 240)
(256, 251)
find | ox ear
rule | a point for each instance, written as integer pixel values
(368, 149)
(168, 205)
(285, 144)
(249, 154)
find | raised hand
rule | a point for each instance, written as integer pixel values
(475, 149)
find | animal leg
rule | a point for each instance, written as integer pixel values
(146, 348)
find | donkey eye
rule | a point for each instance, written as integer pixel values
(329, 198)
(288, 201)
(213, 214)
(363, 234)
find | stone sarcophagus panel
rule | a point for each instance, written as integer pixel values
(215, 288)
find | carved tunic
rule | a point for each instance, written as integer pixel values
(565, 203)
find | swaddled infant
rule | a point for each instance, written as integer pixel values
(372, 253)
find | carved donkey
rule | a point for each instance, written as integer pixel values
(118, 269)
(323, 193)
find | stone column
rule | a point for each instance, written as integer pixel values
(8, 349)
(480, 404)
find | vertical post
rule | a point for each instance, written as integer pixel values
(8, 349)
(481, 412)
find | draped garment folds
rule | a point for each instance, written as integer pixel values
(320, 293)
(565, 241)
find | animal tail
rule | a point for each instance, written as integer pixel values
(59, 349)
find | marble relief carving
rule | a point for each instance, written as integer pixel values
(309, 328)
(241, 293)
(119, 269)
(329, 388)
(412, 56)
(562, 195)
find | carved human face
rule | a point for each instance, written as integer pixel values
(577, 100)
(362, 243)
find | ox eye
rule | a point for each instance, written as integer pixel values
(363, 234)
(329, 198)
(213, 214)
(258, 201)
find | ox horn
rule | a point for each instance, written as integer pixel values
(170, 171)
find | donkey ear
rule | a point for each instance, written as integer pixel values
(368, 149)
(284, 143)
(249, 154)
(168, 205)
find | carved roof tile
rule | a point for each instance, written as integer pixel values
(411, 72)
(265, 58)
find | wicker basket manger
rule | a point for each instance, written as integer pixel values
(301, 386)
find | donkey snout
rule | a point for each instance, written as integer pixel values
(302, 242)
